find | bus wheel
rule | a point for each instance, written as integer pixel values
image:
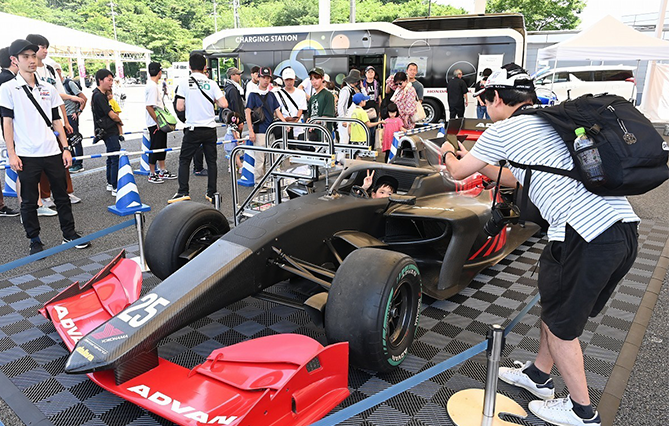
(433, 111)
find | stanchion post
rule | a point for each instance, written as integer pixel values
(139, 224)
(496, 343)
(217, 201)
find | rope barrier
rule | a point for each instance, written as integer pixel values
(48, 252)
(418, 378)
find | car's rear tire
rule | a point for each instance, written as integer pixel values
(374, 305)
(433, 111)
(178, 227)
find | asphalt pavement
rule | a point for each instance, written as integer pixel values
(645, 401)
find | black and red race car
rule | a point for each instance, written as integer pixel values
(370, 261)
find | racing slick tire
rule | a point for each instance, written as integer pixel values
(180, 227)
(373, 304)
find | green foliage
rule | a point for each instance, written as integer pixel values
(542, 14)
(171, 29)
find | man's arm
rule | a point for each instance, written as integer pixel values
(181, 105)
(280, 115)
(222, 102)
(114, 116)
(84, 98)
(68, 128)
(250, 126)
(67, 155)
(469, 164)
(152, 113)
(14, 161)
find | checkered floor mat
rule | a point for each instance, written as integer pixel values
(33, 357)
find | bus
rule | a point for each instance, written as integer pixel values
(438, 45)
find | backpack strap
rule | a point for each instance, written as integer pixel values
(290, 99)
(202, 91)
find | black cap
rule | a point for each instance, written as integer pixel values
(154, 68)
(265, 72)
(38, 39)
(21, 45)
(5, 61)
(387, 180)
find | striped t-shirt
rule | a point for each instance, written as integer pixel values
(531, 140)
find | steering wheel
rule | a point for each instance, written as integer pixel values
(359, 192)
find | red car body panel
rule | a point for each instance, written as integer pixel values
(284, 379)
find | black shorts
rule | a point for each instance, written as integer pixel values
(157, 140)
(577, 278)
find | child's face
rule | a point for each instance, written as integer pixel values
(384, 191)
(110, 95)
(392, 114)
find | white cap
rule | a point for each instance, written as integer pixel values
(515, 78)
(288, 73)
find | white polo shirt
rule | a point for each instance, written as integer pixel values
(32, 137)
(199, 110)
(151, 98)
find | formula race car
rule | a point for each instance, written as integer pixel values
(371, 260)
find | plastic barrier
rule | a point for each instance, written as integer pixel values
(144, 159)
(422, 129)
(10, 182)
(127, 194)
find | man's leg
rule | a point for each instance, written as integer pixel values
(567, 355)
(188, 148)
(112, 145)
(209, 148)
(198, 163)
(30, 178)
(152, 145)
(53, 167)
(259, 158)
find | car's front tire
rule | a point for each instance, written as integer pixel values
(178, 229)
(374, 305)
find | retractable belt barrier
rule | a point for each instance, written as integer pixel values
(418, 378)
(48, 252)
(123, 152)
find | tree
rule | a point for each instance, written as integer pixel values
(542, 15)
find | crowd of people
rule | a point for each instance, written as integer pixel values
(40, 113)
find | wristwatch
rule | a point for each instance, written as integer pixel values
(68, 148)
(444, 156)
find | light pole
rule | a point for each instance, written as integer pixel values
(111, 5)
(216, 27)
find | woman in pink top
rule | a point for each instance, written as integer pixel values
(391, 125)
(404, 97)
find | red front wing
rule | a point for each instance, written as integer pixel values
(284, 379)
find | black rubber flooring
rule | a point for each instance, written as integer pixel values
(32, 356)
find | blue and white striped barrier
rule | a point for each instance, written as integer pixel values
(422, 129)
(144, 159)
(248, 165)
(127, 195)
(10, 182)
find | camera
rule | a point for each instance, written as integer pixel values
(501, 214)
(99, 134)
(74, 139)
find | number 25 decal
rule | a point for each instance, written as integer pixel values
(148, 308)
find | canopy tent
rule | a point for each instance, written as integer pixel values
(607, 40)
(68, 43)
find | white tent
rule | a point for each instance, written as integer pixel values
(68, 43)
(607, 40)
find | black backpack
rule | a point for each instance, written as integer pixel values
(633, 153)
(66, 85)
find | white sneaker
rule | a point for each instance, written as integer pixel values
(113, 192)
(515, 376)
(45, 211)
(559, 412)
(74, 199)
(48, 202)
(109, 187)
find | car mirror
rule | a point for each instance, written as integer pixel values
(410, 200)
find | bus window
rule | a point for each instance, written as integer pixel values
(399, 63)
(337, 67)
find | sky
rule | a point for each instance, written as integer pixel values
(595, 9)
